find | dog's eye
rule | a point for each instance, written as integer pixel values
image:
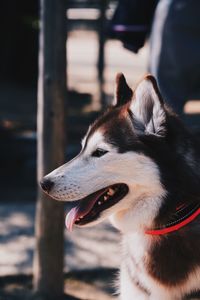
(99, 152)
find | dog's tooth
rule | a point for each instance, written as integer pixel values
(99, 202)
(105, 198)
(110, 192)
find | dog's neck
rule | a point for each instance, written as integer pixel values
(182, 216)
(150, 222)
(138, 218)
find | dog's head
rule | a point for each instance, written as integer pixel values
(112, 176)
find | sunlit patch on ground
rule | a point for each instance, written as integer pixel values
(84, 248)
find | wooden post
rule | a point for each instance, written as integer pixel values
(101, 25)
(48, 259)
(101, 54)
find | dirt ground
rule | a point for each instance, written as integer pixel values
(82, 285)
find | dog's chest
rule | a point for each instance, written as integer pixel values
(135, 248)
(134, 275)
(136, 280)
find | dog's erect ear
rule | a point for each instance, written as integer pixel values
(123, 92)
(147, 107)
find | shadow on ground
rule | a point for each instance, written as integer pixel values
(93, 284)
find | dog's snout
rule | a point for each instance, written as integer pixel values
(46, 185)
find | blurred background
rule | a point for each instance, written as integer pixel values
(96, 49)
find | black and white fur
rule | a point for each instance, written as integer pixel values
(149, 149)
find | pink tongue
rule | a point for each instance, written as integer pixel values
(82, 209)
(71, 218)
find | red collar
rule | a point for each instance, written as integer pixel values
(187, 215)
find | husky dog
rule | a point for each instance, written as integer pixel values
(139, 167)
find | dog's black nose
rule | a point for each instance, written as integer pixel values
(46, 185)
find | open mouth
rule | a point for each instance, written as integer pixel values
(89, 208)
